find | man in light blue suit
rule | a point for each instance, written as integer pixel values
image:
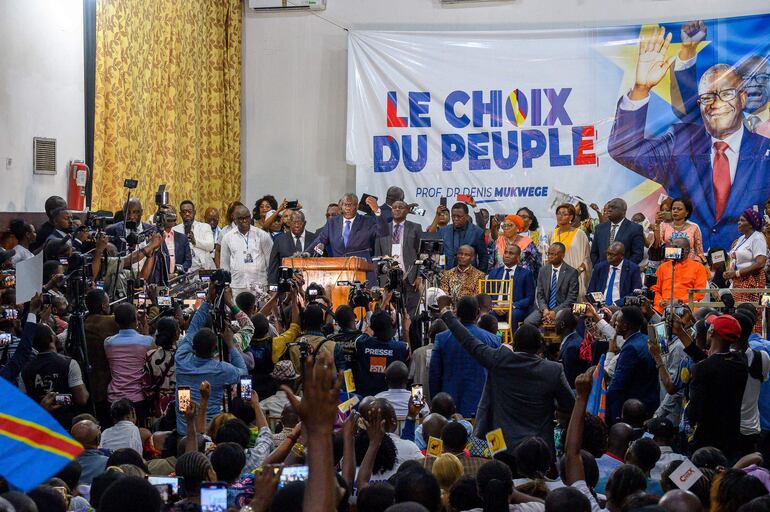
(722, 167)
(523, 284)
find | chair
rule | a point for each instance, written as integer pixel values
(501, 292)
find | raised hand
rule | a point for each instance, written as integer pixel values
(692, 33)
(584, 383)
(318, 407)
(205, 390)
(371, 202)
(652, 64)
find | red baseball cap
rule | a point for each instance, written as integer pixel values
(726, 326)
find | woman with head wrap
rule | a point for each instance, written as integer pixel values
(512, 226)
(748, 256)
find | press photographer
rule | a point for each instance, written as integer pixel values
(175, 255)
(114, 271)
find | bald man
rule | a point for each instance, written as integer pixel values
(680, 501)
(92, 460)
(397, 378)
(705, 161)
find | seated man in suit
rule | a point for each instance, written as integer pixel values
(132, 224)
(523, 283)
(463, 232)
(287, 244)
(618, 228)
(463, 279)
(557, 287)
(351, 234)
(616, 277)
(175, 249)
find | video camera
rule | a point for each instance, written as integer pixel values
(639, 296)
(286, 278)
(392, 270)
(221, 278)
(359, 296)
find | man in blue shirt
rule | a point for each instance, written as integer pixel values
(195, 362)
(455, 371)
(635, 373)
(463, 232)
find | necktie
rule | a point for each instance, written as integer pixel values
(721, 178)
(346, 233)
(613, 232)
(608, 298)
(297, 244)
(504, 286)
(552, 294)
(397, 234)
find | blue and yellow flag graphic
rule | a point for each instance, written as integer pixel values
(33, 446)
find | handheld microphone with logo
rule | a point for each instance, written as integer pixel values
(188, 227)
(319, 250)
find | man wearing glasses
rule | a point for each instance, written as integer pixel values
(721, 166)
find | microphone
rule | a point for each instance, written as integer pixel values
(188, 227)
(319, 250)
(304, 255)
(726, 297)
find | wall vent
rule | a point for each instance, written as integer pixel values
(44, 155)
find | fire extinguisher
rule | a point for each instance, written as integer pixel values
(76, 189)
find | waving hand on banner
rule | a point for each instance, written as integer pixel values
(652, 64)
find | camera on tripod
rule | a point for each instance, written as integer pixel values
(393, 272)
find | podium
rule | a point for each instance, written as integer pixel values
(328, 271)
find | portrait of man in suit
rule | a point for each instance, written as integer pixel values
(402, 242)
(718, 164)
(616, 277)
(523, 283)
(287, 244)
(557, 287)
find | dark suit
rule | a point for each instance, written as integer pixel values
(630, 234)
(410, 245)
(182, 256)
(635, 377)
(283, 247)
(630, 279)
(470, 234)
(566, 291)
(680, 161)
(43, 232)
(523, 292)
(118, 232)
(364, 230)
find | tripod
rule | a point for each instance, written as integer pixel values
(75, 345)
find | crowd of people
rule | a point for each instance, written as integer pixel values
(256, 393)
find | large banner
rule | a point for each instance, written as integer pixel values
(537, 118)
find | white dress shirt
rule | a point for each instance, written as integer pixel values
(396, 248)
(204, 245)
(246, 257)
(344, 220)
(504, 289)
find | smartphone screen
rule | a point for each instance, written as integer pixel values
(464, 198)
(165, 480)
(164, 300)
(64, 399)
(246, 388)
(183, 398)
(5, 338)
(213, 497)
(293, 474)
(417, 394)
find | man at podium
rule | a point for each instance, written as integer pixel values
(351, 234)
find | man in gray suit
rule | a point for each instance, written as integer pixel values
(402, 242)
(557, 287)
(508, 400)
